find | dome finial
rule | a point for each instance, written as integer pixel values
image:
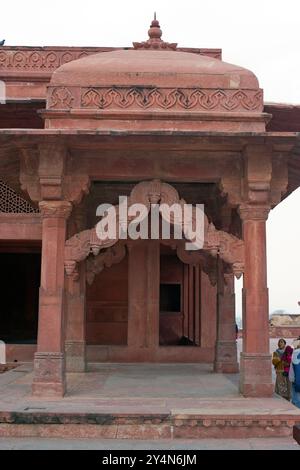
(155, 32)
(155, 41)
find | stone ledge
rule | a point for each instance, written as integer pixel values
(147, 426)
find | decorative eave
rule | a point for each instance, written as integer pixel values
(285, 117)
(89, 147)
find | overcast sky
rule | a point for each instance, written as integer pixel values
(263, 36)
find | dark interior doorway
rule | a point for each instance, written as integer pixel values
(19, 296)
(170, 298)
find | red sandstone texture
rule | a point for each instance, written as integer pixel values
(164, 124)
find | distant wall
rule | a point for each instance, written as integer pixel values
(284, 331)
(280, 332)
(283, 319)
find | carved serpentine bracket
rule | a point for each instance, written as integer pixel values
(204, 259)
(228, 247)
(106, 259)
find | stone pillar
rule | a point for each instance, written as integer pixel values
(191, 303)
(226, 348)
(197, 306)
(137, 294)
(49, 361)
(75, 322)
(153, 286)
(191, 312)
(75, 344)
(185, 324)
(143, 295)
(208, 312)
(256, 369)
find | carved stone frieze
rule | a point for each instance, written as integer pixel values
(31, 60)
(47, 60)
(154, 98)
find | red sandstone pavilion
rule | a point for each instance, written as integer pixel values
(157, 123)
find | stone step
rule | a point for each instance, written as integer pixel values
(146, 426)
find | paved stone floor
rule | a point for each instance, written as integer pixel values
(284, 443)
(143, 388)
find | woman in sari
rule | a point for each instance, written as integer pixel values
(282, 384)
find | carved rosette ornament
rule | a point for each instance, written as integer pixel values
(228, 247)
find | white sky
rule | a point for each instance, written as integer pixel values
(262, 35)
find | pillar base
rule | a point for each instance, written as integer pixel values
(226, 358)
(75, 356)
(49, 375)
(256, 375)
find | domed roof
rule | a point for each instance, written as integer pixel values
(153, 68)
(152, 78)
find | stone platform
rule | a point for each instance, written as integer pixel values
(142, 401)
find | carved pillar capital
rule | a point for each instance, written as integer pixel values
(57, 209)
(249, 212)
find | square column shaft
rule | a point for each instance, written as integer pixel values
(143, 285)
(49, 362)
(75, 344)
(256, 369)
(226, 348)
